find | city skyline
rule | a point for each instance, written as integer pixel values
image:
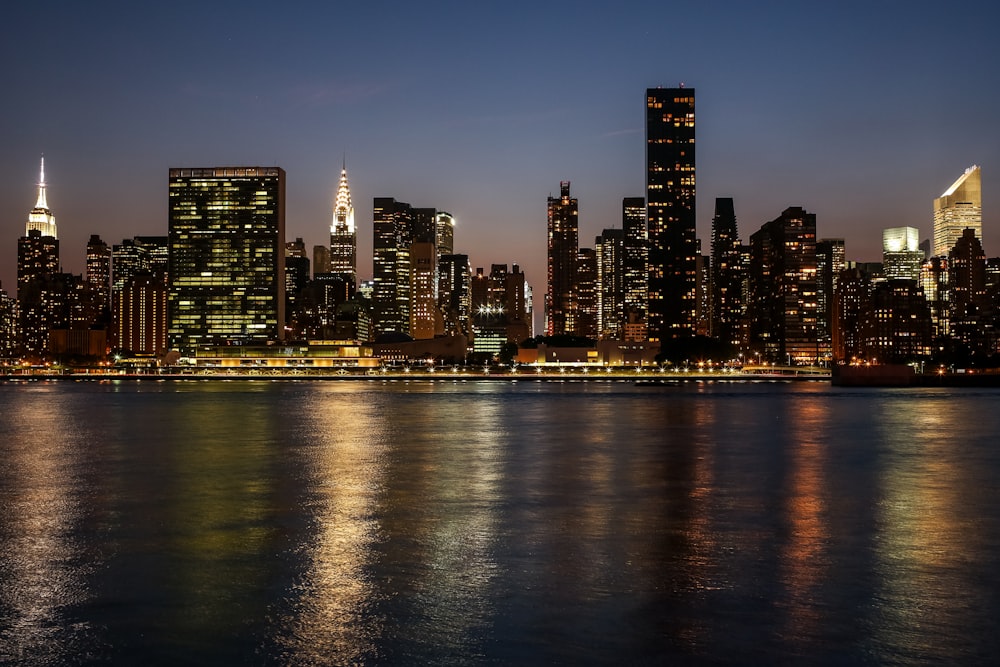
(849, 128)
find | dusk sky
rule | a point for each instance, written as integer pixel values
(860, 112)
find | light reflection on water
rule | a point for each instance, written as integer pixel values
(528, 523)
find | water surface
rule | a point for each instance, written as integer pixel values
(400, 523)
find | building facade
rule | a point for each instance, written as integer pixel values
(782, 309)
(960, 207)
(635, 268)
(563, 248)
(343, 235)
(226, 237)
(727, 276)
(393, 236)
(670, 211)
(901, 253)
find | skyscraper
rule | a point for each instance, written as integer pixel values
(587, 287)
(727, 275)
(99, 271)
(41, 217)
(445, 234)
(227, 256)
(563, 243)
(670, 211)
(830, 257)
(901, 253)
(610, 294)
(635, 269)
(782, 309)
(393, 236)
(959, 208)
(343, 236)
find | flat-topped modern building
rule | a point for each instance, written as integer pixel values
(670, 211)
(227, 256)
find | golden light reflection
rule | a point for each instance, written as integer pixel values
(332, 618)
(926, 525)
(804, 559)
(40, 576)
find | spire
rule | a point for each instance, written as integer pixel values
(343, 210)
(41, 188)
(41, 217)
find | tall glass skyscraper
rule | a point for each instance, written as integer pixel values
(227, 256)
(901, 253)
(959, 208)
(670, 211)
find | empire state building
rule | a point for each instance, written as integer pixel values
(41, 217)
(343, 237)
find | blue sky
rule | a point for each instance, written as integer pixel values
(860, 112)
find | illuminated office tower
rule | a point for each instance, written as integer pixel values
(609, 247)
(670, 211)
(343, 236)
(782, 307)
(563, 243)
(445, 234)
(227, 256)
(959, 208)
(635, 269)
(393, 236)
(727, 275)
(41, 217)
(37, 263)
(901, 253)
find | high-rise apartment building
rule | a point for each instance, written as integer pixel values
(454, 293)
(140, 324)
(424, 319)
(635, 269)
(670, 211)
(830, 258)
(968, 297)
(587, 288)
(901, 253)
(41, 217)
(343, 236)
(782, 309)
(727, 276)
(959, 208)
(99, 271)
(563, 245)
(227, 256)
